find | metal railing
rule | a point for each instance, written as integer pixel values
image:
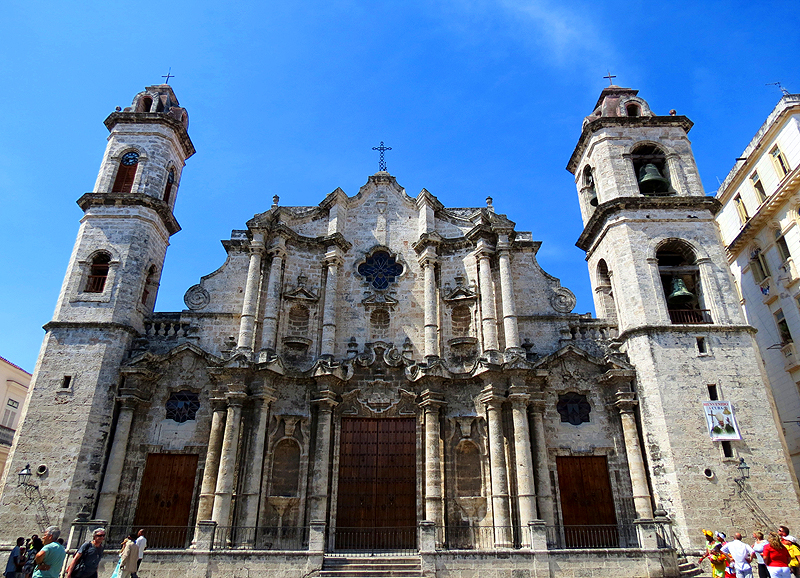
(6, 435)
(372, 540)
(477, 537)
(622, 535)
(260, 538)
(158, 537)
(690, 316)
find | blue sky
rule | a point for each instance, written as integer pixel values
(475, 97)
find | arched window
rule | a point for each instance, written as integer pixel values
(680, 278)
(145, 104)
(468, 470)
(461, 319)
(126, 173)
(98, 273)
(160, 105)
(650, 165)
(632, 109)
(298, 320)
(379, 323)
(589, 186)
(605, 292)
(151, 272)
(170, 184)
(286, 469)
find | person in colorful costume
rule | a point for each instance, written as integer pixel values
(719, 560)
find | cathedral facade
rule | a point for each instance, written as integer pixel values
(381, 373)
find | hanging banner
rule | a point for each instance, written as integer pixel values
(721, 421)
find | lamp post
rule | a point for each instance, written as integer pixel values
(744, 473)
(24, 476)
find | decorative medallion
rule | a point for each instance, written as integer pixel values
(563, 300)
(196, 298)
(574, 408)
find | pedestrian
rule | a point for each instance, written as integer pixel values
(87, 558)
(776, 557)
(30, 564)
(791, 546)
(714, 553)
(141, 544)
(128, 557)
(758, 547)
(50, 558)
(15, 560)
(742, 554)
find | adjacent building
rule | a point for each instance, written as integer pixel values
(759, 224)
(14, 383)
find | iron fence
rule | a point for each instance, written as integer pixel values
(622, 535)
(260, 538)
(368, 541)
(478, 537)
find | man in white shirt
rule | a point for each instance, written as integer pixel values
(141, 544)
(742, 555)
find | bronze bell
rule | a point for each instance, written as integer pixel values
(650, 180)
(680, 294)
(593, 198)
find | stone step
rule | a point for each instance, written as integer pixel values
(371, 567)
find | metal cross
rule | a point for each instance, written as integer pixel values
(382, 161)
(609, 77)
(168, 75)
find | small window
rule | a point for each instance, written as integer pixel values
(741, 210)
(98, 273)
(126, 173)
(758, 187)
(783, 248)
(380, 270)
(727, 449)
(712, 392)
(146, 104)
(151, 272)
(13, 403)
(702, 348)
(8, 418)
(170, 184)
(182, 406)
(632, 109)
(781, 166)
(758, 266)
(574, 408)
(66, 381)
(783, 327)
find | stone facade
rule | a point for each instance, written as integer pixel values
(383, 372)
(14, 383)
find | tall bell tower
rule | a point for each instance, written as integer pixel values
(108, 291)
(659, 269)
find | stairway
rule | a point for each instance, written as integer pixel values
(371, 567)
(691, 569)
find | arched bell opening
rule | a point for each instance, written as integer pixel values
(680, 279)
(650, 166)
(588, 186)
(608, 308)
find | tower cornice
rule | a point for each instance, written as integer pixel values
(116, 118)
(614, 206)
(628, 122)
(132, 199)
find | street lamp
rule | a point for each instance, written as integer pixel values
(25, 476)
(744, 472)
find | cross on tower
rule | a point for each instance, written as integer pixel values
(609, 77)
(168, 75)
(382, 161)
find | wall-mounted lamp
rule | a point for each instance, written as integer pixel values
(25, 477)
(744, 472)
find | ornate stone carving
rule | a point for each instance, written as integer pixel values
(378, 399)
(563, 300)
(196, 298)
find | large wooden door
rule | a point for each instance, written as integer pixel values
(587, 505)
(165, 499)
(377, 497)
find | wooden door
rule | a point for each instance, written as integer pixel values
(165, 499)
(377, 498)
(587, 505)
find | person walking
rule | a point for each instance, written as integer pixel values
(88, 556)
(50, 558)
(742, 554)
(758, 547)
(141, 544)
(128, 557)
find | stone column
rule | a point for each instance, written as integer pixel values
(626, 403)
(675, 174)
(250, 305)
(488, 310)
(333, 260)
(524, 461)
(497, 463)
(269, 331)
(428, 262)
(223, 493)
(544, 491)
(116, 460)
(253, 471)
(205, 503)
(511, 331)
(710, 288)
(318, 500)
(434, 506)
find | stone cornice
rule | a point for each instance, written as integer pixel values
(598, 219)
(89, 325)
(116, 118)
(131, 199)
(684, 328)
(622, 121)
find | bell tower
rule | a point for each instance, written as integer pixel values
(109, 289)
(659, 269)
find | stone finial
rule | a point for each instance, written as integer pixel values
(673, 112)
(489, 204)
(275, 200)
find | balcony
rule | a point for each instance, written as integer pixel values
(6, 435)
(789, 274)
(690, 316)
(768, 292)
(790, 359)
